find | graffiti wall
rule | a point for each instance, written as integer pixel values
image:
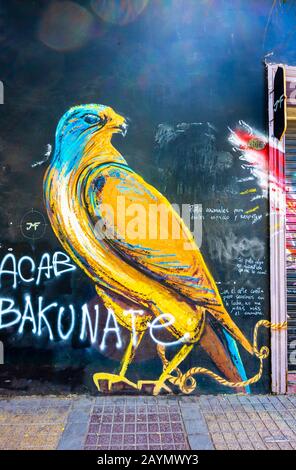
(134, 194)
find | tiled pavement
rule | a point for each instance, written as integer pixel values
(251, 422)
(173, 423)
(32, 423)
(136, 425)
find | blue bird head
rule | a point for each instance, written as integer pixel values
(81, 124)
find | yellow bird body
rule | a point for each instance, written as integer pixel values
(149, 258)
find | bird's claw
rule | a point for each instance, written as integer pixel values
(102, 378)
(159, 386)
(111, 380)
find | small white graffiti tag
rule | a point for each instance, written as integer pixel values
(33, 225)
(278, 103)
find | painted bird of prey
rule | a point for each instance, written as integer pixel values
(87, 186)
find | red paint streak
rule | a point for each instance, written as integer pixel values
(274, 172)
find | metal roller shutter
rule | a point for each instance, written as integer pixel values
(290, 177)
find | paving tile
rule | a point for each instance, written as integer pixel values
(131, 428)
(200, 442)
(176, 427)
(179, 438)
(217, 437)
(233, 445)
(154, 438)
(272, 446)
(105, 428)
(213, 426)
(220, 446)
(259, 445)
(195, 426)
(78, 416)
(73, 436)
(225, 426)
(236, 426)
(119, 428)
(162, 427)
(129, 439)
(246, 445)
(285, 445)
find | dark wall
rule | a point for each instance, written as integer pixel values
(185, 72)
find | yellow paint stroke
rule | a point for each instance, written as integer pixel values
(248, 191)
(252, 210)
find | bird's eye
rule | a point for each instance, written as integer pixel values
(92, 119)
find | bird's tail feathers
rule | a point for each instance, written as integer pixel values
(221, 314)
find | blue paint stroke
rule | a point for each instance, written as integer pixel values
(236, 358)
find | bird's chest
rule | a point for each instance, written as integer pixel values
(66, 207)
(71, 216)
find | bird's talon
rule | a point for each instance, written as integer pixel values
(158, 387)
(111, 380)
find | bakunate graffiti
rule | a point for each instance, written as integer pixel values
(143, 261)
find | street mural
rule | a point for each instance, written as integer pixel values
(142, 258)
(144, 261)
(137, 264)
(145, 279)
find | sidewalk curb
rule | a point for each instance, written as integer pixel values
(76, 428)
(196, 428)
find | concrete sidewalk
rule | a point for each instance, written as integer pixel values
(168, 423)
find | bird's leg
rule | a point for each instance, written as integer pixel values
(130, 353)
(177, 359)
(119, 305)
(127, 359)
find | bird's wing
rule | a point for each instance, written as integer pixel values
(146, 231)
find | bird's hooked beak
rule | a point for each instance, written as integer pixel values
(122, 128)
